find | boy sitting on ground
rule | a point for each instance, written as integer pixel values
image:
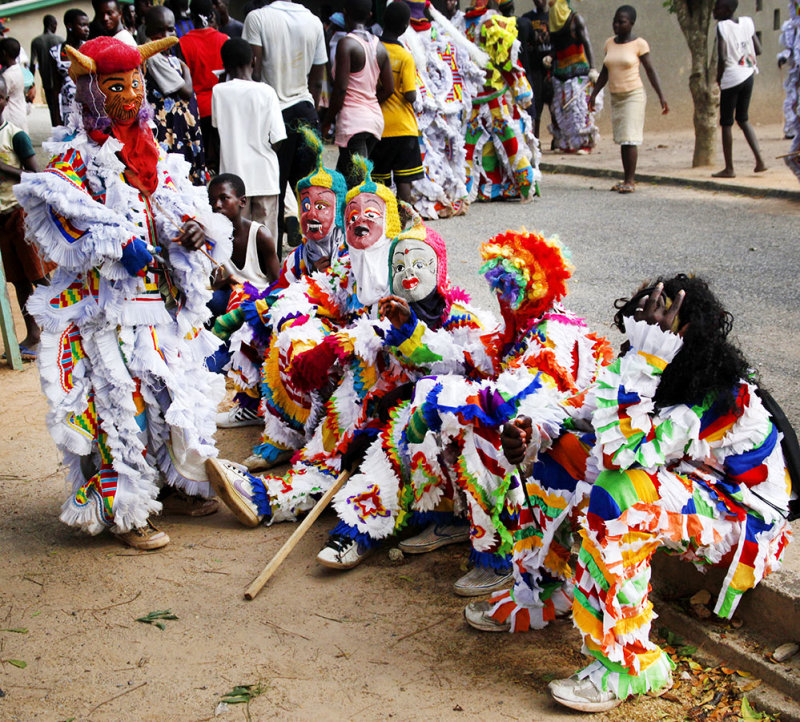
(21, 262)
(253, 260)
(398, 150)
(250, 124)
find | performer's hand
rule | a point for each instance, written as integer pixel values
(135, 257)
(396, 309)
(514, 438)
(590, 103)
(664, 107)
(593, 75)
(191, 236)
(653, 310)
(547, 61)
(322, 264)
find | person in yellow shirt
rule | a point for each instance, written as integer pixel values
(397, 154)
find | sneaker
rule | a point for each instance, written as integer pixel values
(185, 505)
(235, 489)
(435, 536)
(146, 538)
(237, 416)
(582, 695)
(255, 463)
(342, 552)
(477, 616)
(480, 581)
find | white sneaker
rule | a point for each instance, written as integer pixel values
(477, 616)
(342, 552)
(255, 463)
(435, 536)
(582, 695)
(235, 489)
(480, 581)
(237, 416)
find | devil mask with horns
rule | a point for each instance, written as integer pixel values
(110, 89)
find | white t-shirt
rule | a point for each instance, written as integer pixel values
(249, 119)
(739, 55)
(124, 36)
(292, 40)
(16, 111)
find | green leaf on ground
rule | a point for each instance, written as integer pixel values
(748, 713)
(243, 693)
(687, 650)
(16, 630)
(21, 664)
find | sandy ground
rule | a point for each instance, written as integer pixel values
(386, 640)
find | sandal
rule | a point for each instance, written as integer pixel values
(627, 188)
(617, 186)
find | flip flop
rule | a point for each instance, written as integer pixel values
(616, 186)
(27, 354)
(627, 188)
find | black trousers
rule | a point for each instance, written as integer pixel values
(295, 159)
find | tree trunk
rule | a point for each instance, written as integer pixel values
(694, 18)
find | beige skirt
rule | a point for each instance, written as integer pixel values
(627, 116)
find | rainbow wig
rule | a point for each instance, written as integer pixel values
(527, 271)
(363, 169)
(322, 176)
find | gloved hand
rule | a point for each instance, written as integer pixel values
(136, 257)
(593, 75)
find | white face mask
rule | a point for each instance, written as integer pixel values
(414, 266)
(370, 269)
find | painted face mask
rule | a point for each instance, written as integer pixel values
(124, 93)
(317, 212)
(414, 268)
(364, 220)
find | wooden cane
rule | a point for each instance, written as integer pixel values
(259, 582)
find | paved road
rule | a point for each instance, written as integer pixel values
(746, 248)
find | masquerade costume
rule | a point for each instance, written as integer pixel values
(540, 359)
(502, 152)
(571, 85)
(790, 39)
(705, 483)
(123, 346)
(449, 76)
(250, 322)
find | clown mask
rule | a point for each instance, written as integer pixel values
(414, 267)
(365, 218)
(124, 93)
(317, 212)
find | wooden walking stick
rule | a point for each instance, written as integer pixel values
(259, 582)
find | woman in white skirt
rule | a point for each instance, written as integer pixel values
(623, 55)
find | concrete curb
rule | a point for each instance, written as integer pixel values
(705, 185)
(737, 649)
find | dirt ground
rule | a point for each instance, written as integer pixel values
(386, 640)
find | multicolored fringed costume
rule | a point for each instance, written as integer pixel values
(440, 451)
(321, 198)
(790, 39)
(123, 345)
(449, 76)
(701, 481)
(574, 127)
(502, 152)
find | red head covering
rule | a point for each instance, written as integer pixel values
(111, 55)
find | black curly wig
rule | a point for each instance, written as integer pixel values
(707, 363)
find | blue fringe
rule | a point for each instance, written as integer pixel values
(260, 497)
(488, 560)
(365, 540)
(267, 451)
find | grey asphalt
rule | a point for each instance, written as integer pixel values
(746, 248)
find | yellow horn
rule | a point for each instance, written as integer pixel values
(80, 64)
(148, 50)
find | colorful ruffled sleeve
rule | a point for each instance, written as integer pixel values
(66, 222)
(629, 431)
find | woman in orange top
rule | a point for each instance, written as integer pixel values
(623, 55)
